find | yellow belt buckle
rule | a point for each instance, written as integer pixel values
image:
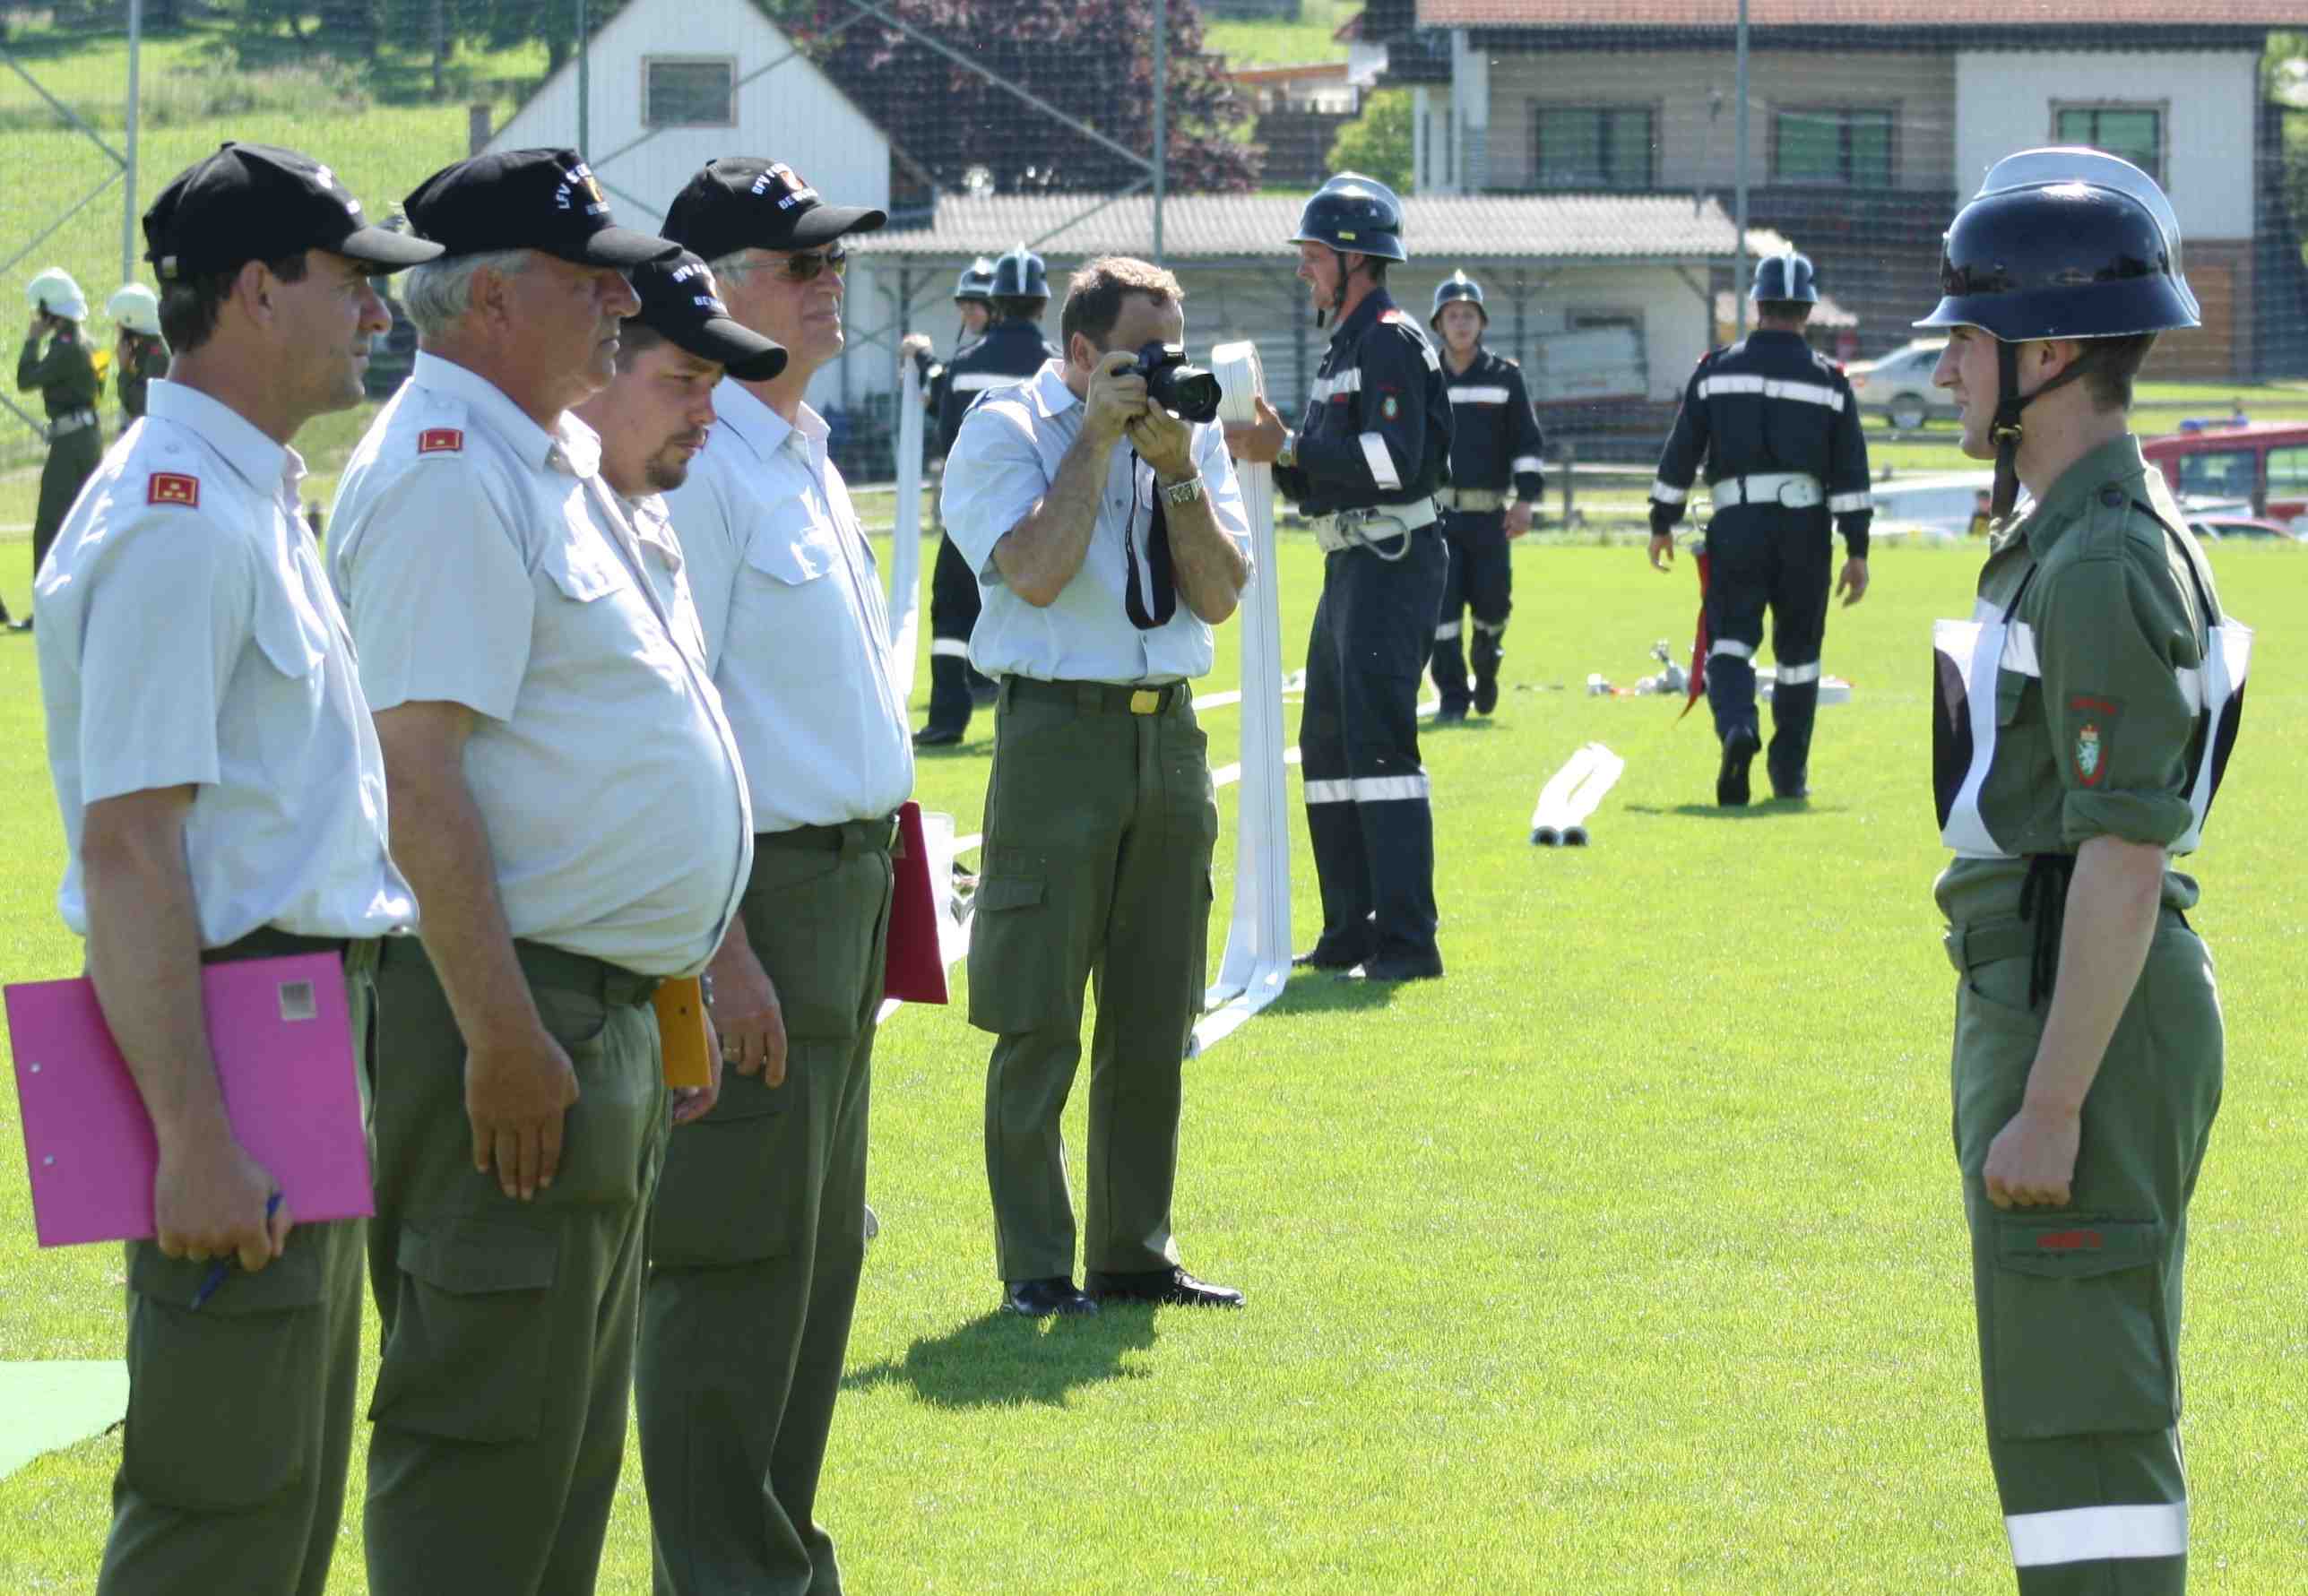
(1145, 701)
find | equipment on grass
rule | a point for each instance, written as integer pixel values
(1571, 794)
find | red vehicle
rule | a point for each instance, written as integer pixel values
(2260, 463)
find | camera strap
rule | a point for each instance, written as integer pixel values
(1158, 601)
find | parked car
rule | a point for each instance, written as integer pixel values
(2219, 529)
(1898, 386)
(2260, 463)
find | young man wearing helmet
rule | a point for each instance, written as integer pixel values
(64, 375)
(1017, 292)
(1496, 477)
(1364, 466)
(1779, 431)
(2086, 710)
(141, 354)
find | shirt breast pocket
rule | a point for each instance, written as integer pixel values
(292, 640)
(581, 569)
(791, 596)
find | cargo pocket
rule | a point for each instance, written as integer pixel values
(2079, 1344)
(467, 1358)
(1015, 958)
(225, 1403)
(727, 1192)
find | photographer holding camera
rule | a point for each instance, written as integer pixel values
(1109, 537)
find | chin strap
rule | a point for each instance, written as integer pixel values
(1339, 295)
(2005, 430)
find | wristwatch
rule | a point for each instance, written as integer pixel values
(1182, 493)
(1287, 455)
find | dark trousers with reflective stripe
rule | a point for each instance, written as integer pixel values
(2080, 1307)
(756, 1239)
(506, 1370)
(1367, 817)
(1099, 829)
(1760, 558)
(954, 605)
(1479, 579)
(239, 1425)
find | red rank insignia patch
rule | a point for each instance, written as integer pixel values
(440, 440)
(173, 488)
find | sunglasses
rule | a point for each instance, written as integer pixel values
(810, 263)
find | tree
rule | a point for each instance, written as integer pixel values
(1090, 58)
(1379, 143)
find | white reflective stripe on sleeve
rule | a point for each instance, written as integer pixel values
(1737, 650)
(1346, 381)
(2098, 1534)
(1667, 493)
(1381, 463)
(1843, 503)
(1478, 396)
(2019, 650)
(973, 382)
(1526, 462)
(1447, 633)
(1795, 676)
(949, 646)
(1330, 792)
(1771, 388)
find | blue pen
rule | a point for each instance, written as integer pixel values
(222, 1266)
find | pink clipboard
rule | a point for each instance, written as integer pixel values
(282, 1033)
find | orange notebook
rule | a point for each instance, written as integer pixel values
(687, 1035)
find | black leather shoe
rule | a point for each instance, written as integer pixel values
(1319, 957)
(1486, 694)
(1739, 751)
(937, 737)
(1172, 1286)
(1396, 969)
(1038, 1299)
(1450, 715)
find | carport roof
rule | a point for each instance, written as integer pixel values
(1439, 229)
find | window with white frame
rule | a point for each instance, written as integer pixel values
(2134, 132)
(689, 92)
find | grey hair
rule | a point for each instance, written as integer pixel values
(438, 294)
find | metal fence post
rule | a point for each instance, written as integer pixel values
(128, 168)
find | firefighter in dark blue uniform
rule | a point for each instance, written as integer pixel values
(1779, 431)
(1496, 479)
(1012, 351)
(1363, 467)
(973, 303)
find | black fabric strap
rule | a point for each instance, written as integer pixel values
(1158, 567)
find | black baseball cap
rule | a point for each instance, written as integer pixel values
(679, 299)
(546, 200)
(260, 202)
(741, 202)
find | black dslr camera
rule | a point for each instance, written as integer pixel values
(1188, 392)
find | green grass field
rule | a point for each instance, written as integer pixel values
(1628, 1259)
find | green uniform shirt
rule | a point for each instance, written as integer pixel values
(140, 357)
(2103, 742)
(65, 375)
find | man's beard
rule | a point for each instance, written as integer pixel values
(666, 471)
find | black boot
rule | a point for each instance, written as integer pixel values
(1484, 654)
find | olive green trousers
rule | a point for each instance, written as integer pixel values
(2079, 1307)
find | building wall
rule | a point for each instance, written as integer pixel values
(2210, 100)
(1691, 92)
(792, 114)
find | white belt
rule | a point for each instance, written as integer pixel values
(70, 422)
(1792, 491)
(1472, 500)
(1359, 529)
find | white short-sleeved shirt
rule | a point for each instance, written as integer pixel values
(1003, 462)
(795, 627)
(662, 565)
(187, 636)
(484, 561)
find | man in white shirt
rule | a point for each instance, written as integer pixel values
(572, 811)
(223, 797)
(1109, 537)
(758, 1234)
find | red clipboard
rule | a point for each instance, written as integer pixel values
(914, 970)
